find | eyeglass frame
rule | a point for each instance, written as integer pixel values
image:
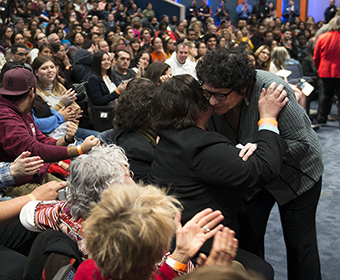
(218, 96)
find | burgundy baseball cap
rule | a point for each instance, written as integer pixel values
(17, 81)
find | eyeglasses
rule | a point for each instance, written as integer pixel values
(219, 96)
(266, 53)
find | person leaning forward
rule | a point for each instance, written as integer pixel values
(19, 132)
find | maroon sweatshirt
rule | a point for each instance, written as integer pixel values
(18, 133)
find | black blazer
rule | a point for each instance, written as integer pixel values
(138, 150)
(203, 169)
(99, 92)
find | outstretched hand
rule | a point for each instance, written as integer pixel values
(191, 237)
(48, 191)
(272, 101)
(26, 165)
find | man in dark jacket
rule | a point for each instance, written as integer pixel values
(330, 11)
(82, 63)
(260, 10)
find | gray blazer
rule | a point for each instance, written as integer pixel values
(302, 165)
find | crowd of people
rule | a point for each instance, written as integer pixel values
(200, 114)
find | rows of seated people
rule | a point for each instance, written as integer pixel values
(126, 59)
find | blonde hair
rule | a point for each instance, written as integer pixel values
(130, 229)
(115, 42)
(279, 56)
(334, 24)
(192, 25)
(226, 30)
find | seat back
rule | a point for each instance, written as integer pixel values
(82, 101)
(296, 71)
(102, 116)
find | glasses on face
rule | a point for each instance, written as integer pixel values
(265, 53)
(218, 96)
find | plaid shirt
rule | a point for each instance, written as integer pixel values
(6, 177)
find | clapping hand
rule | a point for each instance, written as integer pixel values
(191, 237)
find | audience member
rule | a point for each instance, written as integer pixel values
(82, 63)
(134, 130)
(204, 12)
(326, 60)
(330, 11)
(121, 72)
(221, 12)
(261, 10)
(158, 73)
(17, 98)
(102, 86)
(117, 219)
(291, 11)
(108, 165)
(157, 51)
(263, 57)
(180, 63)
(243, 10)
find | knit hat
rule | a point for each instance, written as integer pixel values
(16, 20)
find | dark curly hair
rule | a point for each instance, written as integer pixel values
(224, 68)
(178, 103)
(132, 112)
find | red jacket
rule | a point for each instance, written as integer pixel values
(327, 55)
(89, 271)
(18, 133)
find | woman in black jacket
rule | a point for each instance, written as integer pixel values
(102, 88)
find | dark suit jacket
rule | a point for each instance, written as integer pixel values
(138, 150)
(99, 92)
(203, 169)
(82, 64)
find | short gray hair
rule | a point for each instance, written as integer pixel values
(91, 174)
(49, 38)
(135, 19)
(182, 45)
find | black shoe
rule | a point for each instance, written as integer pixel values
(316, 122)
(315, 126)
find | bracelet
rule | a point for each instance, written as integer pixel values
(176, 265)
(80, 152)
(117, 91)
(68, 142)
(12, 164)
(267, 120)
(67, 67)
(31, 196)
